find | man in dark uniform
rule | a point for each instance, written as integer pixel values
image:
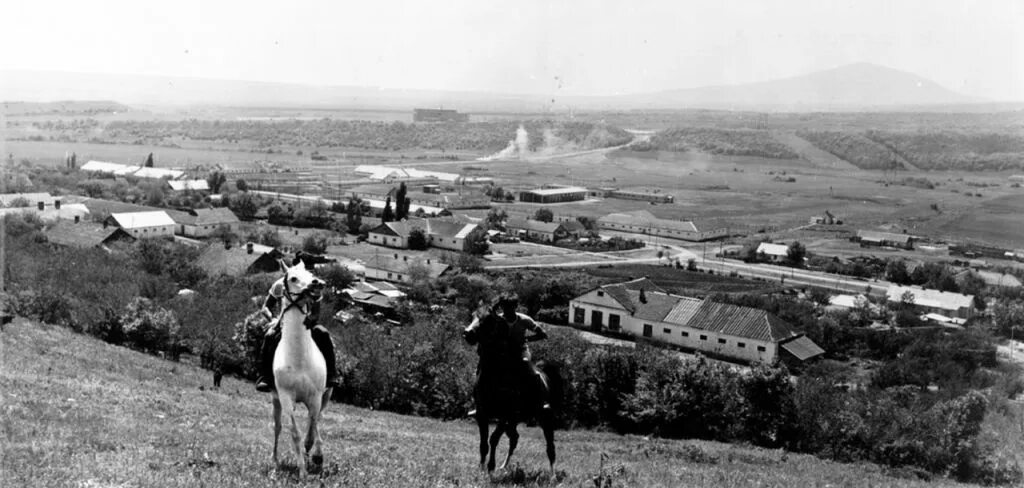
(510, 327)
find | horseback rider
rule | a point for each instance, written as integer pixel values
(508, 331)
(321, 336)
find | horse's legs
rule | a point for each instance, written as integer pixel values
(513, 441)
(313, 439)
(547, 424)
(277, 425)
(288, 408)
(481, 422)
(495, 438)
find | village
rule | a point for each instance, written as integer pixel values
(396, 227)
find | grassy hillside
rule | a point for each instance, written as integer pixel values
(79, 412)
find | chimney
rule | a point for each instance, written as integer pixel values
(643, 296)
(248, 248)
(104, 223)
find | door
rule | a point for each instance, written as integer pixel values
(596, 317)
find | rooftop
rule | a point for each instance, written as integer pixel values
(137, 220)
(926, 297)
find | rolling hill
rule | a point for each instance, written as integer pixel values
(859, 86)
(80, 412)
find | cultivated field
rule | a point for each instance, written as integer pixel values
(79, 412)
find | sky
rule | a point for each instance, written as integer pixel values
(525, 46)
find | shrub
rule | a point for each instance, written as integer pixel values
(149, 327)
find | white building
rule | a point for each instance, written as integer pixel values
(643, 310)
(775, 253)
(144, 224)
(926, 300)
(644, 222)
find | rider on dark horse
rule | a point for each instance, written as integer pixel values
(501, 339)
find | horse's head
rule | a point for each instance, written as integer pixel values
(301, 287)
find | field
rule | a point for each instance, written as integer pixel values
(79, 412)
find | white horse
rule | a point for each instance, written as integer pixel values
(300, 372)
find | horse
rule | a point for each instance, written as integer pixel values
(500, 397)
(300, 371)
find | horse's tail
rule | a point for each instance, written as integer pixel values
(555, 384)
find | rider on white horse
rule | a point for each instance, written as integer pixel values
(321, 336)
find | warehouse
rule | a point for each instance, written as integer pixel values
(553, 195)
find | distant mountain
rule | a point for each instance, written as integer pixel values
(855, 86)
(852, 87)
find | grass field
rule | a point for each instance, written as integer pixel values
(79, 412)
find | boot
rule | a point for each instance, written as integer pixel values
(265, 371)
(322, 339)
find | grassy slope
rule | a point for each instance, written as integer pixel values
(83, 413)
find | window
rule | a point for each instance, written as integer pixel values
(600, 293)
(648, 330)
(579, 315)
(760, 349)
(667, 330)
(389, 275)
(721, 341)
(741, 344)
(703, 337)
(613, 321)
(684, 334)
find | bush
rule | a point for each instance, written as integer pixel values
(150, 328)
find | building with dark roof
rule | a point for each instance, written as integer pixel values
(202, 222)
(553, 195)
(644, 222)
(216, 259)
(86, 234)
(885, 239)
(641, 309)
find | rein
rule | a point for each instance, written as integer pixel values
(293, 300)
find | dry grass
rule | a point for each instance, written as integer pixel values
(78, 412)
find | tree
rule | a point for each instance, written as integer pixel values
(417, 239)
(242, 185)
(896, 272)
(496, 218)
(387, 215)
(401, 203)
(244, 205)
(588, 223)
(224, 234)
(74, 159)
(476, 243)
(353, 215)
(336, 276)
(796, 253)
(215, 180)
(149, 161)
(315, 243)
(1008, 318)
(544, 215)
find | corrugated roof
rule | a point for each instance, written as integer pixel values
(643, 218)
(803, 348)
(138, 220)
(145, 172)
(683, 311)
(740, 321)
(102, 167)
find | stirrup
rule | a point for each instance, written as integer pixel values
(471, 413)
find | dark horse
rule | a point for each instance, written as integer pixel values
(502, 397)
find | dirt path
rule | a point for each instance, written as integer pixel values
(811, 153)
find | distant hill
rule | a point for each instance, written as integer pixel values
(852, 87)
(848, 88)
(66, 107)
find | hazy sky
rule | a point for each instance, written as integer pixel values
(526, 46)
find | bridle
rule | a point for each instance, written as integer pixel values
(293, 299)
